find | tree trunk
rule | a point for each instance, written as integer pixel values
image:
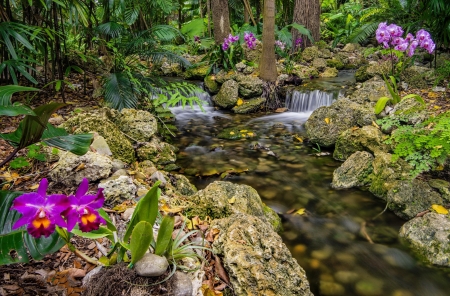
(208, 12)
(307, 13)
(267, 64)
(221, 20)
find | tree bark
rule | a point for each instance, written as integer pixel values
(307, 13)
(221, 20)
(267, 68)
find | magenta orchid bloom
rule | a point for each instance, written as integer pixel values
(83, 209)
(39, 211)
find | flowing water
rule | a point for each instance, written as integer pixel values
(330, 241)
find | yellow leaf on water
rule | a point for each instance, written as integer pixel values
(243, 131)
(250, 134)
(232, 200)
(239, 102)
(231, 133)
(300, 211)
(327, 120)
(439, 209)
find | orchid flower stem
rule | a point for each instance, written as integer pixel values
(86, 258)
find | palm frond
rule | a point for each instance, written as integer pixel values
(363, 32)
(111, 29)
(119, 91)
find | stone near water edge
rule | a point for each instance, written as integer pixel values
(228, 95)
(354, 171)
(151, 265)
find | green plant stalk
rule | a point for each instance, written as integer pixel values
(64, 234)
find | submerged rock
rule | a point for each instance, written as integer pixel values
(256, 259)
(233, 133)
(228, 95)
(222, 199)
(428, 237)
(71, 168)
(354, 171)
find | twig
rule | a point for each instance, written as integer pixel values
(363, 231)
(165, 125)
(9, 157)
(382, 212)
(86, 257)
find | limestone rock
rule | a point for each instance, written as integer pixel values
(100, 146)
(407, 199)
(329, 73)
(211, 84)
(351, 47)
(171, 69)
(222, 199)
(99, 121)
(228, 94)
(118, 190)
(442, 186)
(256, 259)
(305, 72)
(428, 237)
(342, 115)
(250, 86)
(151, 265)
(370, 92)
(224, 76)
(138, 124)
(252, 55)
(367, 138)
(310, 53)
(249, 106)
(158, 152)
(410, 111)
(93, 167)
(354, 171)
(335, 63)
(386, 173)
(418, 76)
(196, 72)
(319, 63)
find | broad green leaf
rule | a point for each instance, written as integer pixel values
(8, 90)
(109, 223)
(141, 238)
(16, 245)
(58, 137)
(19, 162)
(417, 97)
(381, 104)
(15, 110)
(146, 210)
(164, 235)
(99, 233)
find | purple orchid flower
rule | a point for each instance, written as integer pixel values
(394, 30)
(83, 209)
(250, 40)
(412, 47)
(39, 211)
(298, 42)
(280, 44)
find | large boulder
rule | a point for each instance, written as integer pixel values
(157, 152)
(329, 73)
(256, 259)
(408, 198)
(409, 111)
(228, 95)
(355, 171)
(99, 121)
(386, 173)
(418, 77)
(305, 72)
(222, 199)
(370, 91)
(326, 123)
(196, 72)
(366, 72)
(223, 76)
(367, 138)
(428, 237)
(249, 106)
(71, 169)
(138, 124)
(211, 84)
(310, 53)
(319, 63)
(117, 190)
(250, 86)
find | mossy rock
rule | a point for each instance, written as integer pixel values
(335, 63)
(224, 76)
(98, 121)
(211, 84)
(329, 73)
(233, 133)
(228, 95)
(249, 106)
(196, 73)
(160, 153)
(362, 75)
(310, 53)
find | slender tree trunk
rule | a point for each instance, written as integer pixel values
(307, 13)
(258, 11)
(208, 12)
(221, 20)
(267, 68)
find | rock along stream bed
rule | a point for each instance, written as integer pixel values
(331, 240)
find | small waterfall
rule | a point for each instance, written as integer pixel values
(308, 101)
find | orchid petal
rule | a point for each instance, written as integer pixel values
(83, 188)
(42, 189)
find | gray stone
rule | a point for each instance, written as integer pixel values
(127, 214)
(419, 77)
(222, 199)
(368, 138)
(428, 237)
(211, 84)
(319, 64)
(158, 152)
(354, 171)
(158, 176)
(326, 123)
(151, 265)
(117, 164)
(370, 92)
(228, 95)
(409, 111)
(71, 169)
(351, 47)
(256, 259)
(100, 146)
(118, 190)
(252, 55)
(181, 284)
(329, 73)
(178, 184)
(140, 125)
(408, 198)
(305, 72)
(222, 76)
(250, 86)
(442, 186)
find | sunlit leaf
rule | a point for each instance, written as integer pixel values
(439, 209)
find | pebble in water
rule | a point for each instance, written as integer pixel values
(369, 287)
(346, 277)
(330, 288)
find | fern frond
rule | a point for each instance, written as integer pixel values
(363, 32)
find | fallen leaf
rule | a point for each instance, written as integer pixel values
(231, 133)
(243, 131)
(33, 187)
(167, 209)
(80, 167)
(300, 211)
(436, 107)
(250, 134)
(375, 125)
(232, 200)
(439, 209)
(327, 120)
(298, 138)
(9, 177)
(220, 271)
(239, 102)
(432, 95)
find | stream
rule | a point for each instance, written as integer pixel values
(332, 239)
